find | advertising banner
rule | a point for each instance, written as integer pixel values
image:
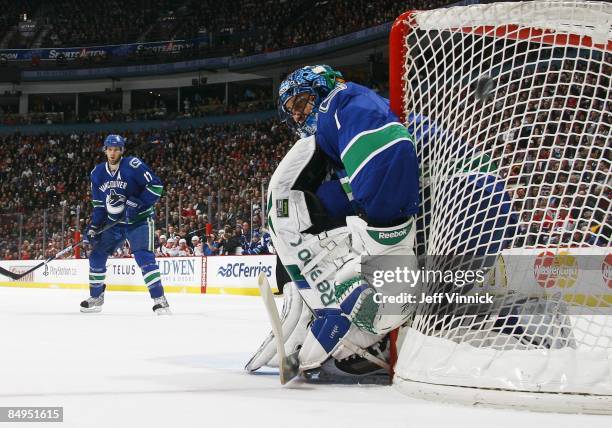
(179, 274)
(124, 50)
(238, 274)
(219, 274)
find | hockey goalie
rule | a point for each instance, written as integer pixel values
(348, 188)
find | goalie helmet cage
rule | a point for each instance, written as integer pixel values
(542, 138)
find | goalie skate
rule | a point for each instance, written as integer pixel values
(354, 369)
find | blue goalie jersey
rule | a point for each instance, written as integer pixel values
(132, 180)
(365, 141)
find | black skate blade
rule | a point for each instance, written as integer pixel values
(289, 368)
(322, 377)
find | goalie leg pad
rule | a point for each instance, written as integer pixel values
(355, 296)
(325, 333)
(295, 318)
(327, 336)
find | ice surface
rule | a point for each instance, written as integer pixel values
(128, 367)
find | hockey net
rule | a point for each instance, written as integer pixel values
(520, 173)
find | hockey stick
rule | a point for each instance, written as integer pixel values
(15, 276)
(288, 366)
(363, 353)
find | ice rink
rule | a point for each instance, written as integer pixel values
(128, 367)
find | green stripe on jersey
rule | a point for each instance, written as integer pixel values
(269, 216)
(152, 278)
(151, 275)
(155, 189)
(481, 162)
(368, 144)
(294, 272)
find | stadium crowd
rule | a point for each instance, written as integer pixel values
(235, 27)
(548, 135)
(211, 175)
(86, 23)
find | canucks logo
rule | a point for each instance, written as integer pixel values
(115, 203)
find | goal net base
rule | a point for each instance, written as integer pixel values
(439, 369)
(495, 398)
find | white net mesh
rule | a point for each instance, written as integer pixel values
(513, 121)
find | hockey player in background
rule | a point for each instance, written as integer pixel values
(124, 190)
(346, 189)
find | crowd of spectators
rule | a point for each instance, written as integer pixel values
(12, 11)
(232, 28)
(86, 23)
(212, 175)
(546, 132)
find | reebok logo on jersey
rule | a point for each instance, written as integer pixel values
(390, 238)
(396, 234)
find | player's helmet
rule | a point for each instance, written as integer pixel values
(114, 140)
(315, 80)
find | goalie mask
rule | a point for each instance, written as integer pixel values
(301, 94)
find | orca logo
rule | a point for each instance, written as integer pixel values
(115, 203)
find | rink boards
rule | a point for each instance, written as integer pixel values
(216, 275)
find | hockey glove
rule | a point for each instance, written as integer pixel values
(132, 207)
(92, 236)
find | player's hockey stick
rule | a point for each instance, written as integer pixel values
(288, 366)
(15, 276)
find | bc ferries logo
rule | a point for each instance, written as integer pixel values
(242, 270)
(115, 203)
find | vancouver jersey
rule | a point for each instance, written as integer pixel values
(365, 141)
(132, 180)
